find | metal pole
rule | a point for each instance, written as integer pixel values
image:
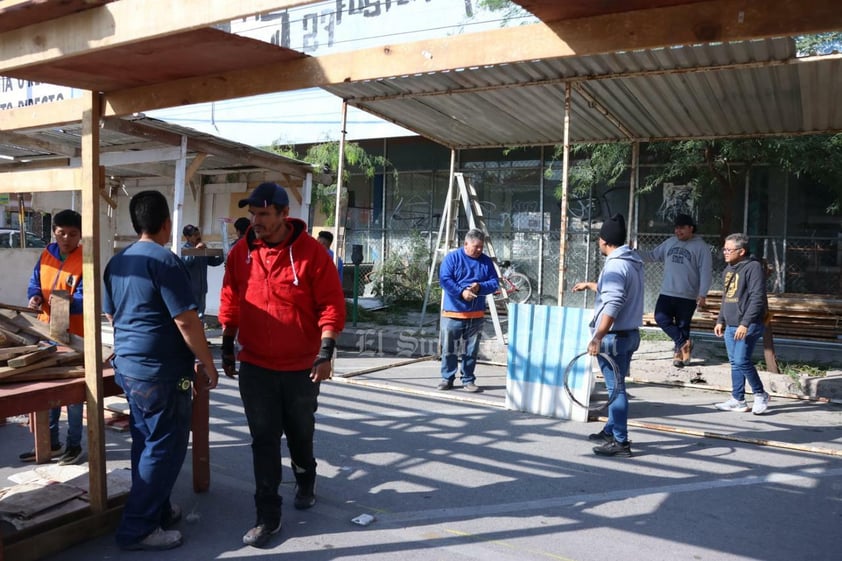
(745, 201)
(178, 196)
(340, 170)
(635, 166)
(562, 261)
(541, 186)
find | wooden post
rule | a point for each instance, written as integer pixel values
(201, 440)
(92, 182)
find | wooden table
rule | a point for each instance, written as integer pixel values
(39, 397)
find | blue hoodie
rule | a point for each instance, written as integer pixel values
(458, 272)
(619, 291)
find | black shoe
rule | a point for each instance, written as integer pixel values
(614, 448)
(261, 533)
(30, 456)
(305, 496)
(601, 436)
(71, 456)
(445, 385)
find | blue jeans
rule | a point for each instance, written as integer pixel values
(74, 425)
(278, 403)
(453, 333)
(160, 428)
(620, 348)
(673, 315)
(739, 355)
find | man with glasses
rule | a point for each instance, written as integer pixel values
(740, 321)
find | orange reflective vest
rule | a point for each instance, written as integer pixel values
(61, 275)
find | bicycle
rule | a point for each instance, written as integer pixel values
(514, 286)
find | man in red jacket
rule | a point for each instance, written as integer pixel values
(281, 297)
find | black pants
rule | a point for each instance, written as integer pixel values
(278, 403)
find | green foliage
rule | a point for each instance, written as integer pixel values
(511, 11)
(402, 276)
(717, 168)
(325, 156)
(819, 43)
(599, 164)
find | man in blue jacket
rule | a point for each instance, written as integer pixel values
(466, 275)
(618, 313)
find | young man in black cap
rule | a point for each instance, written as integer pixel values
(282, 297)
(687, 277)
(618, 313)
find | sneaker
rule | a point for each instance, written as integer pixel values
(158, 540)
(614, 448)
(260, 534)
(472, 387)
(761, 403)
(678, 359)
(601, 436)
(30, 456)
(445, 385)
(70, 456)
(305, 496)
(687, 352)
(732, 405)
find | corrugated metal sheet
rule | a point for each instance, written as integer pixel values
(748, 88)
(56, 144)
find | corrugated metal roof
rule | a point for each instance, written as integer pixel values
(24, 149)
(747, 88)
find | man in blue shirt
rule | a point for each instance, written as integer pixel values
(467, 276)
(157, 338)
(197, 266)
(326, 239)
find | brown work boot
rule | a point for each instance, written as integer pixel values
(678, 359)
(686, 351)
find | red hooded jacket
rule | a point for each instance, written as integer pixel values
(281, 299)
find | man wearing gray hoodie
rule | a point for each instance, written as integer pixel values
(687, 277)
(618, 313)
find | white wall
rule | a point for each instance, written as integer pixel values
(16, 268)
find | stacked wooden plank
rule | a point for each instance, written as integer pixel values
(27, 352)
(796, 316)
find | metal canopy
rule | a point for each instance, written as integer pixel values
(124, 142)
(739, 89)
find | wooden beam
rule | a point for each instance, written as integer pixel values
(41, 144)
(134, 157)
(92, 184)
(120, 23)
(66, 179)
(702, 22)
(52, 114)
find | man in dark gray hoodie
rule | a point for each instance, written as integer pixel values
(618, 313)
(741, 321)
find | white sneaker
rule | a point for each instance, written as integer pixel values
(761, 403)
(732, 405)
(158, 540)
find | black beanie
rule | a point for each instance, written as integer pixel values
(613, 230)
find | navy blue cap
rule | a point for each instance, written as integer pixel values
(266, 194)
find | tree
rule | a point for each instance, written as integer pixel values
(325, 156)
(718, 168)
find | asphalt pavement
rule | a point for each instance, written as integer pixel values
(450, 475)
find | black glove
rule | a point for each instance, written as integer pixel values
(325, 352)
(228, 351)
